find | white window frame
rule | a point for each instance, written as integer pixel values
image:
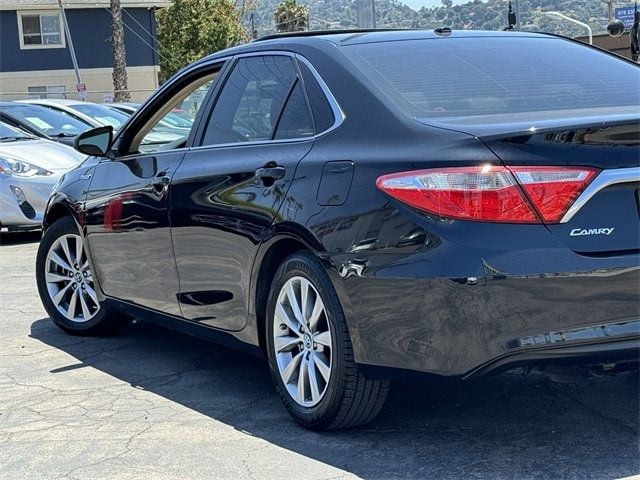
(27, 13)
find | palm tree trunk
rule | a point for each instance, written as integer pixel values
(120, 89)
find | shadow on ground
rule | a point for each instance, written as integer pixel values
(508, 426)
(19, 238)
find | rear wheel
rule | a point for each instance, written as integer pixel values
(310, 352)
(66, 284)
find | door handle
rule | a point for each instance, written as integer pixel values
(274, 173)
(162, 179)
(270, 173)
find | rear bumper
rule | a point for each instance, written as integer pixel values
(468, 326)
(604, 344)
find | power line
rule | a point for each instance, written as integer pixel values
(142, 27)
(140, 38)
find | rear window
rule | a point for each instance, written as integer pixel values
(481, 76)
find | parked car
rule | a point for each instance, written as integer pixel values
(29, 168)
(99, 115)
(171, 121)
(360, 206)
(42, 122)
(91, 113)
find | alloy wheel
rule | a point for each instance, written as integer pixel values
(69, 279)
(302, 341)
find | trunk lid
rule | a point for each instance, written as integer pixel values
(605, 219)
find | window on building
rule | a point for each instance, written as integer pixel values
(47, 91)
(40, 30)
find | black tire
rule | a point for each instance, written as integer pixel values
(105, 322)
(350, 399)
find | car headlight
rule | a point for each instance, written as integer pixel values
(19, 168)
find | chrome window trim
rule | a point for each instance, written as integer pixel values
(605, 179)
(338, 113)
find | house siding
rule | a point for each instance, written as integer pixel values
(90, 31)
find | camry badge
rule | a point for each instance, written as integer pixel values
(577, 232)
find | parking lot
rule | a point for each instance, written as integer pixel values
(150, 403)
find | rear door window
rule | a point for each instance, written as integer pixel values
(322, 112)
(251, 101)
(295, 121)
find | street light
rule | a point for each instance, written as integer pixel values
(572, 20)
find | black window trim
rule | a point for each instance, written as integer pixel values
(221, 65)
(338, 113)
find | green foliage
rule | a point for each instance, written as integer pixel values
(291, 17)
(191, 29)
(476, 14)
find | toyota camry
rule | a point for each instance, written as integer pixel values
(360, 206)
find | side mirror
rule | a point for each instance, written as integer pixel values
(96, 141)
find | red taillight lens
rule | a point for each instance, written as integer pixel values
(490, 193)
(552, 190)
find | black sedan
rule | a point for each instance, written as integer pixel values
(359, 206)
(42, 122)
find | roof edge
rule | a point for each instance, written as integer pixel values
(18, 5)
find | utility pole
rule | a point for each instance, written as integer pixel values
(366, 13)
(120, 89)
(72, 51)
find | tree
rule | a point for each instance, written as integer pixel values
(120, 89)
(291, 17)
(191, 29)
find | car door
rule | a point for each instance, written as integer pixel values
(229, 189)
(127, 208)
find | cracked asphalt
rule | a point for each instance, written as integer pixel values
(153, 404)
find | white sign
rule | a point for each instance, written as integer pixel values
(81, 88)
(107, 98)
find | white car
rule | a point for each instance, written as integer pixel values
(29, 168)
(92, 113)
(101, 116)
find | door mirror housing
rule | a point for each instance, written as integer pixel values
(96, 141)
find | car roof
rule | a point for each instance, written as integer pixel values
(51, 101)
(17, 104)
(326, 39)
(387, 35)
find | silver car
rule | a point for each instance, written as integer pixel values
(29, 168)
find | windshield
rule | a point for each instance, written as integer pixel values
(101, 114)
(480, 76)
(8, 134)
(46, 121)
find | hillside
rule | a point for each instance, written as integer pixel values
(477, 15)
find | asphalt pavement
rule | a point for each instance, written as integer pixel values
(153, 404)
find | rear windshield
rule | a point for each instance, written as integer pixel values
(450, 77)
(102, 115)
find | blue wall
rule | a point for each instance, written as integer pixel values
(90, 31)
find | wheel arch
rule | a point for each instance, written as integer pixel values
(270, 256)
(57, 209)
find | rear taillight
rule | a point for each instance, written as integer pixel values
(490, 193)
(552, 190)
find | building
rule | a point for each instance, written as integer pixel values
(35, 60)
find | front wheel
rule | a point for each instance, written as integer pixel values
(310, 352)
(66, 284)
